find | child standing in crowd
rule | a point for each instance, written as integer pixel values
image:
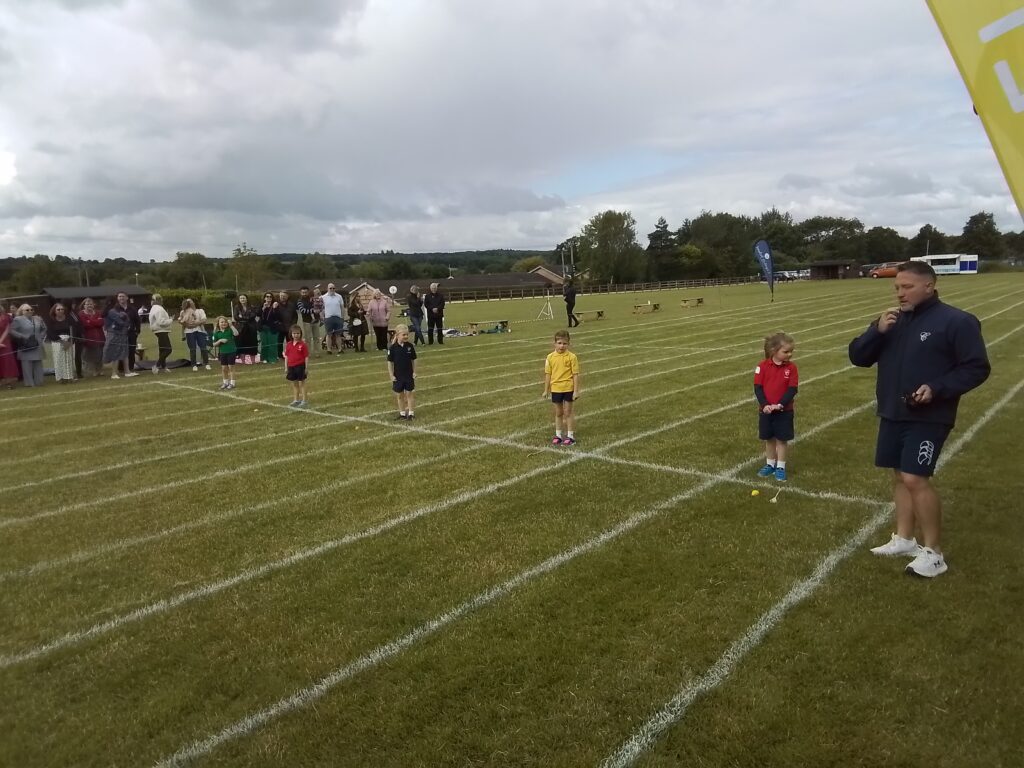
(296, 352)
(226, 349)
(775, 387)
(402, 370)
(562, 380)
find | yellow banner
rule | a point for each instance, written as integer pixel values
(986, 38)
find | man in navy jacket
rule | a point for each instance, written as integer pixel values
(929, 354)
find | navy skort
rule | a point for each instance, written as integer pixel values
(296, 372)
(561, 397)
(228, 358)
(777, 425)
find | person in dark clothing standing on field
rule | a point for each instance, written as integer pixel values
(289, 317)
(415, 304)
(134, 325)
(569, 294)
(929, 354)
(434, 302)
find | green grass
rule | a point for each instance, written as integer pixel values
(177, 561)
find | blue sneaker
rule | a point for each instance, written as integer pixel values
(766, 471)
(780, 474)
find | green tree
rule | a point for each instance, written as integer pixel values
(248, 270)
(40, 272)
(315, 267)
(662, 253)
(927, 240)
(982, 237)
(190, 270)
(608, 248)
(883, 244)
(525, 265)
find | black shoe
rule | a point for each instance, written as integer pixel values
(401, 416)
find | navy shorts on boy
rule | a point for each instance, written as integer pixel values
(333, 324)
(777, 425)
(403, 385)
(296, 372)
(561, 397)
(227, 358)
(910, 446)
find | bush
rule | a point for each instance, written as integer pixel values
(214, 303)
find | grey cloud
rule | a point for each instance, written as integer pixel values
(799, 181)
(878, 181)
(254, 23)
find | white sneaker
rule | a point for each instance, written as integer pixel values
(155, 370)
(209, 368)
(115, 376)
(928, 563)
(130, 374)
(195, 368)
(897, 546)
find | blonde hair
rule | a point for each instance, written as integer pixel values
(776, 341)
(219, 318)
(400, 329)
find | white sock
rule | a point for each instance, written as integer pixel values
(558, 433)
(401, 413)
(781, 464)
(771, 462)
(410, 412)
(232, 382)
(571, 434)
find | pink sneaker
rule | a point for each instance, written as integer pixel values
(556, 440)
(569, 441)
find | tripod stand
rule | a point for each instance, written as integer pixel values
(546, 311)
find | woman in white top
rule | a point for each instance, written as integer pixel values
(194, 321)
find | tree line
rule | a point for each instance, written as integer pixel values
(721, 244)
(607, 247)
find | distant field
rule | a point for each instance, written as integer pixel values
(190, 576)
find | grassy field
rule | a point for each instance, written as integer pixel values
(189, 576)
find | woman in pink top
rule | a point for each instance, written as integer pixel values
(379, 313)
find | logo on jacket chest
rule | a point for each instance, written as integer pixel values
(924, 335)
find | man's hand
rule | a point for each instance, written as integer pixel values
(923, 394)
(888, 319)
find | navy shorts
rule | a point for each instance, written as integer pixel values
(561, 397)
(777, 425)
(333, 324)
(403, 386)
(228, 358)
(296, 373)
(910, 446)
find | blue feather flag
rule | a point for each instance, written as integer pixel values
(763, 254)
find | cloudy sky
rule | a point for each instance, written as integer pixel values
(139, 128)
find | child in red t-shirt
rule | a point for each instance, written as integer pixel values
(775, 386)
(296, 352)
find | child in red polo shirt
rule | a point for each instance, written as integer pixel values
(775, 386)
(296, 352)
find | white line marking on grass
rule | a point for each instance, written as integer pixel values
(643, 738)
(192, 451)
(389, 650)
(162, 606)
(175, 415)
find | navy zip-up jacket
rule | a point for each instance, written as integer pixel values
(933, 344)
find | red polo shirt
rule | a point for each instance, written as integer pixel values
(295, 353)
(775, 379)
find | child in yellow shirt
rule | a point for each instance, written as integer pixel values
(562, 380)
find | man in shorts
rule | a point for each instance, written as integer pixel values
(929, 354)
(334, 307)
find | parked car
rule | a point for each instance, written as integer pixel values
(885, 270)
(865, 269)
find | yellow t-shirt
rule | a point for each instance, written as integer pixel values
(561, 366)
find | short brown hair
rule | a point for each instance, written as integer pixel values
(918, 268)
(561, 336)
